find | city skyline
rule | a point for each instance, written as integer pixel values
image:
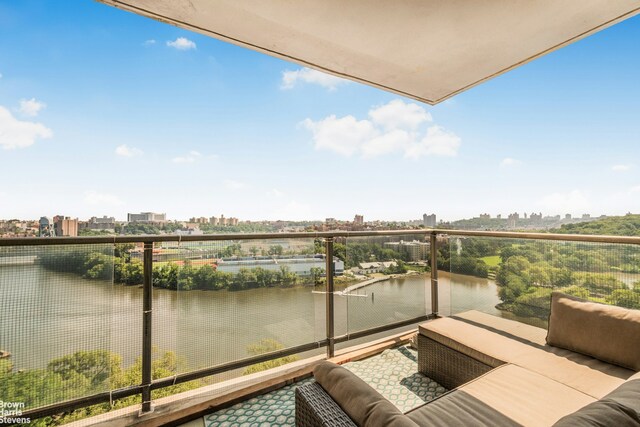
(103, 113)
(356, 219)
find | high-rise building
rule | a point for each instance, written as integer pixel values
(45, 227)
(358, 220)
(65, 226)
(429, 220)
(513, 220)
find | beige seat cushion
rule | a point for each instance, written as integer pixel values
(526, 397)
(606, 332)
(506, 396)
(584, 373)
(459, 409)
(495, 341)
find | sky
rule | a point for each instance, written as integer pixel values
(103, 112)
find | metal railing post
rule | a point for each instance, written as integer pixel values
(147, 307)
(329, 298)
(433, 247)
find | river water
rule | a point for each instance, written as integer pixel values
(44, 315)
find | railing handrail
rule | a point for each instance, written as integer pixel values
(138, 238)
(587, 238)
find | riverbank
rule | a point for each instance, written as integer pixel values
(381, 278)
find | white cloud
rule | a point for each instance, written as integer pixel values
(574, 201)
(15, 133)
(291, 79)
(437, 142)
(95, 198)
(344, 136)
(126, 151)
(182, 43)
(393, 127)
(620, 168)
(509, 162)
(31, 107)
(191, 157)
(396, 114)
(149, 42)
(234, 185)
(394, 140)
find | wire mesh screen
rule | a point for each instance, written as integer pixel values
(385, 280)
(514, 278)
(222, 301)
(56, 324)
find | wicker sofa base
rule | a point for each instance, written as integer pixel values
(446, 366)
(315, 408)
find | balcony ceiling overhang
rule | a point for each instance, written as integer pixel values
(428, 50)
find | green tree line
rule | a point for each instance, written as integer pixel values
(85, 373)
(529, 272)
(100, 265)
(82, 374)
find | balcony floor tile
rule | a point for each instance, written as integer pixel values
(393, 373)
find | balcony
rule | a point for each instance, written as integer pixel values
(159, 329)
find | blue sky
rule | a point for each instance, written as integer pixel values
(103, 112)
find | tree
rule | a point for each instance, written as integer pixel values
(515, 266)
(624, 298)
(512, 288)
(286, 277)
(317, 273)
(244, 279)
(166, 276)
(81, 374)
(267, 345)
(264, 278)
(276, 250)
(97, 366)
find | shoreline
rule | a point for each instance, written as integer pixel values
(374, 280)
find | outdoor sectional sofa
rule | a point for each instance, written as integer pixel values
(582, 371)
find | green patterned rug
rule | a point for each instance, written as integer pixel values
(393, 373)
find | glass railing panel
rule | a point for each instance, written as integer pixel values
(221, 301)
(468, 266)
(385, 280)
(514, 278)
(61, 334)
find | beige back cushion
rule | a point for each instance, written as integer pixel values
(606, 332)
(365, 406)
